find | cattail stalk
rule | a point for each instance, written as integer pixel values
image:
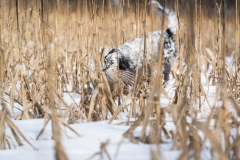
(237, 39)
(51, 81)
(226, 128)
(1, 59)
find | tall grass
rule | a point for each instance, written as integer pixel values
(50, 48)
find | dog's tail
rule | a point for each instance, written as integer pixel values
(172, 17)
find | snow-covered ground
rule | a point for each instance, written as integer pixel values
(93, 134)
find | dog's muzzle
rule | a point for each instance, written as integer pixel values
(105, 67)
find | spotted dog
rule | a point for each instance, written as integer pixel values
(120, 64)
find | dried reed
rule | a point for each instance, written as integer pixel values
(45, 55)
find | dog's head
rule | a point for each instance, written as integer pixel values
(110, 60)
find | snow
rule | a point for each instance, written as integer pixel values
(93, 134)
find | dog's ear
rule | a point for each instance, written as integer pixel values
(110, 51)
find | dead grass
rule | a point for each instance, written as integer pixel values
(47, 46)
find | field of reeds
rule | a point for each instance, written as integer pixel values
(52, 48)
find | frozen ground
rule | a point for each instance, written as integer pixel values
(93, 134)
(77, 148)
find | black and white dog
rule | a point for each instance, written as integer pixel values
(127, 55)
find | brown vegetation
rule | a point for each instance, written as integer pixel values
(49, 45)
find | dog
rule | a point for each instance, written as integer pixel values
(120, 64)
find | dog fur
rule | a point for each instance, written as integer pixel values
(127, 56)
